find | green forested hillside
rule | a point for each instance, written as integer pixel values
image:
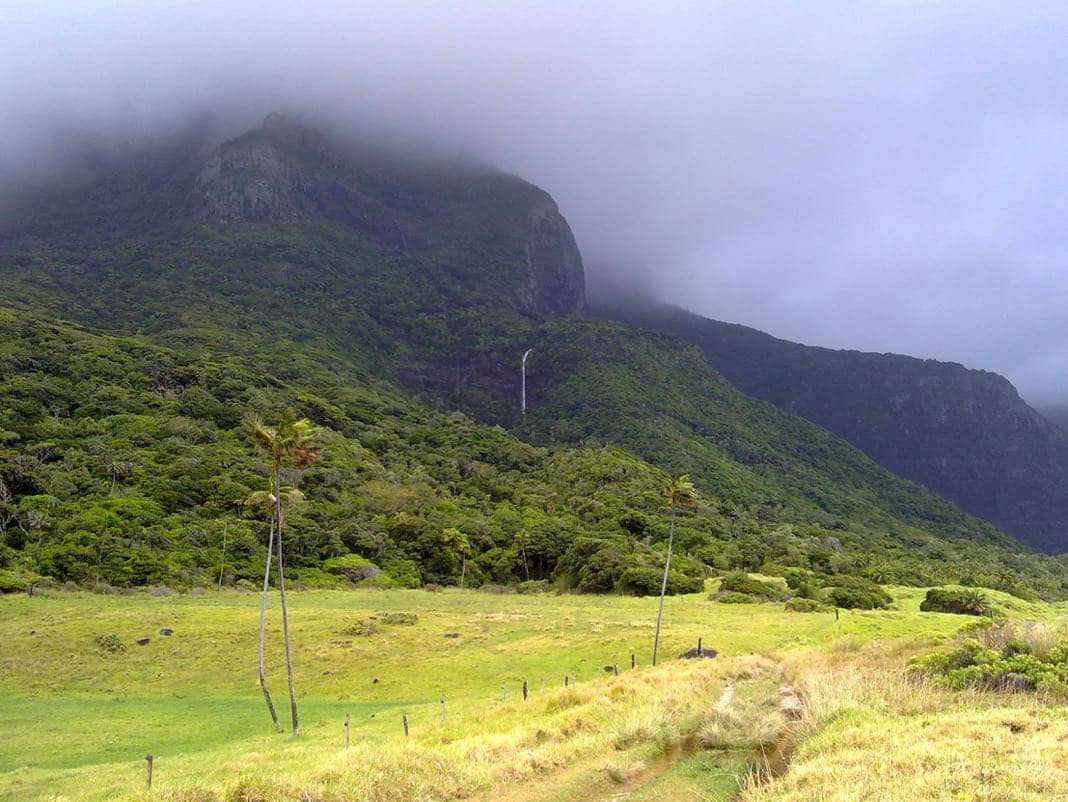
(391, 305)
(126, 463)
(965, 434)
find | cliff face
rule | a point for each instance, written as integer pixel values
(286, 173)
(965, 434)
(557, 284)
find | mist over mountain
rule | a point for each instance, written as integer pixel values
(890, 179)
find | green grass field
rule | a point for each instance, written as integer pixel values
(78, 721)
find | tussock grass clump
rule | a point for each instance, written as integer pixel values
(361, 629)
(397, 618)
(110, 643)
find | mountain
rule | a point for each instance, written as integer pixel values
(1056, 414)
(390, 299)
(965, 434)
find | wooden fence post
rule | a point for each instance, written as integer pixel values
(503, 695)
(525, 691)
(632, 663)
(348, 722)
(148, 777)
(404, 718)
(700, 651)
(567, 679)
(615, 668)
(442, 709)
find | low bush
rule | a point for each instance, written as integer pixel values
(741, 582)
(361, 629)
(640, 580)
(1003, 658)
(534, 586)
(733, 597)
(961, 601)
(856, 593)
(315, 579)
(110, 643)
(352, 567)
(799, 604)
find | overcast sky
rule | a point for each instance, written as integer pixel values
(885, 176)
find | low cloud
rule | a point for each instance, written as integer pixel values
(883, 176)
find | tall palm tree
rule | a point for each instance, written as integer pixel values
(268, 499)
(678, 492)
(289, 444)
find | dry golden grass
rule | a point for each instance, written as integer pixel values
(882, 738)
(630, 718)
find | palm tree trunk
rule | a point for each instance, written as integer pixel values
(263, 629)
(285, 612)
(663, 587)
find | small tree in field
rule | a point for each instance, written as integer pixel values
(678, 492)
(289, 444)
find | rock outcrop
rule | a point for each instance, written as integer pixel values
(557, 284)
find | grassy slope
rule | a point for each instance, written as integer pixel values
(79, 721)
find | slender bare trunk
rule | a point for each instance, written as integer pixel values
(222, 562)
(263, 629)
(285, 612)
(663, 587)
(463, 571)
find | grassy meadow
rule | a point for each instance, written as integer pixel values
(78, 720)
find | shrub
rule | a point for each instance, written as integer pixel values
(352, 567)
(640, 580)
(961, 601)
(997, 660)
(315, 579)
(741, 582)
(799, 604)
(856, 593)
(110, 643)
(734, 597)
(361, 629)
(534, 586)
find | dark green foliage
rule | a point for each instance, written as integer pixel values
(734, 597)
(855, 593)
(962, 601)
(741, 582)
(641, 580)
